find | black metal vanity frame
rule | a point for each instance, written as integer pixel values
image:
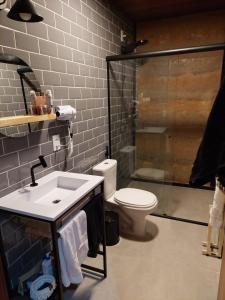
(55, 225)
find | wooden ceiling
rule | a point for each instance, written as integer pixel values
(140, 10)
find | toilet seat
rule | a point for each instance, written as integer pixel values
(135, 198)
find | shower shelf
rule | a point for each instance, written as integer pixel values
(152, 129)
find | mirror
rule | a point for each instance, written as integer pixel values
(17, 79)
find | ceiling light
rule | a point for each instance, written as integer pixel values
(24, 11)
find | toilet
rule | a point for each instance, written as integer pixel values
(132, 205)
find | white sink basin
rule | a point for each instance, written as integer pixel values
(54, 191)
(55, 194)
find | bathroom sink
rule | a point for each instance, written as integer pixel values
(55, 194)
(54, 191)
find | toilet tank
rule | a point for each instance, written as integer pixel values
(107, 169)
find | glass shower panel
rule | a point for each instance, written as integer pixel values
(194, 81)
(174, 98)
(152, 149)
(153, 155)
(122, 107)
(159, 108)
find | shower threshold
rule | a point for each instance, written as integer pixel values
(165, 216)
(178, 202)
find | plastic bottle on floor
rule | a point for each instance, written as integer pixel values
(47, 266)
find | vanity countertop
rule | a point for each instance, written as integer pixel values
(56, 193)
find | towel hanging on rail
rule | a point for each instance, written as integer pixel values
(217, 209)
(210, 159)
(73, 248)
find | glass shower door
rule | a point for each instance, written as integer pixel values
(159, 108)
(122, 108)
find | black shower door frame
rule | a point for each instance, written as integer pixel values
(161, 53)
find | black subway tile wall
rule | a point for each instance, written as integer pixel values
(67, 53)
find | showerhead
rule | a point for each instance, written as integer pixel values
(129, 46)
(141, 42)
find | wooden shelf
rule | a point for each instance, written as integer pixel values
(18, 120)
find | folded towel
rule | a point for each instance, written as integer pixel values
(73, 248)
(216, 212)
(80, 230)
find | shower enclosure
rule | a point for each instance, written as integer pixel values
(158, 105)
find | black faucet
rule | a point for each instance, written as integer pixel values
(41, 163)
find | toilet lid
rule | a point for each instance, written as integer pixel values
(135, 198)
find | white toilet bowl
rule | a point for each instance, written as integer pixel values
(133, 205)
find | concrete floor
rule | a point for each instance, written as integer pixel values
(169, 266)
(181, 202)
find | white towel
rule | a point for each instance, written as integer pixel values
(216, 212)
(80, 230)
(73, 248)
